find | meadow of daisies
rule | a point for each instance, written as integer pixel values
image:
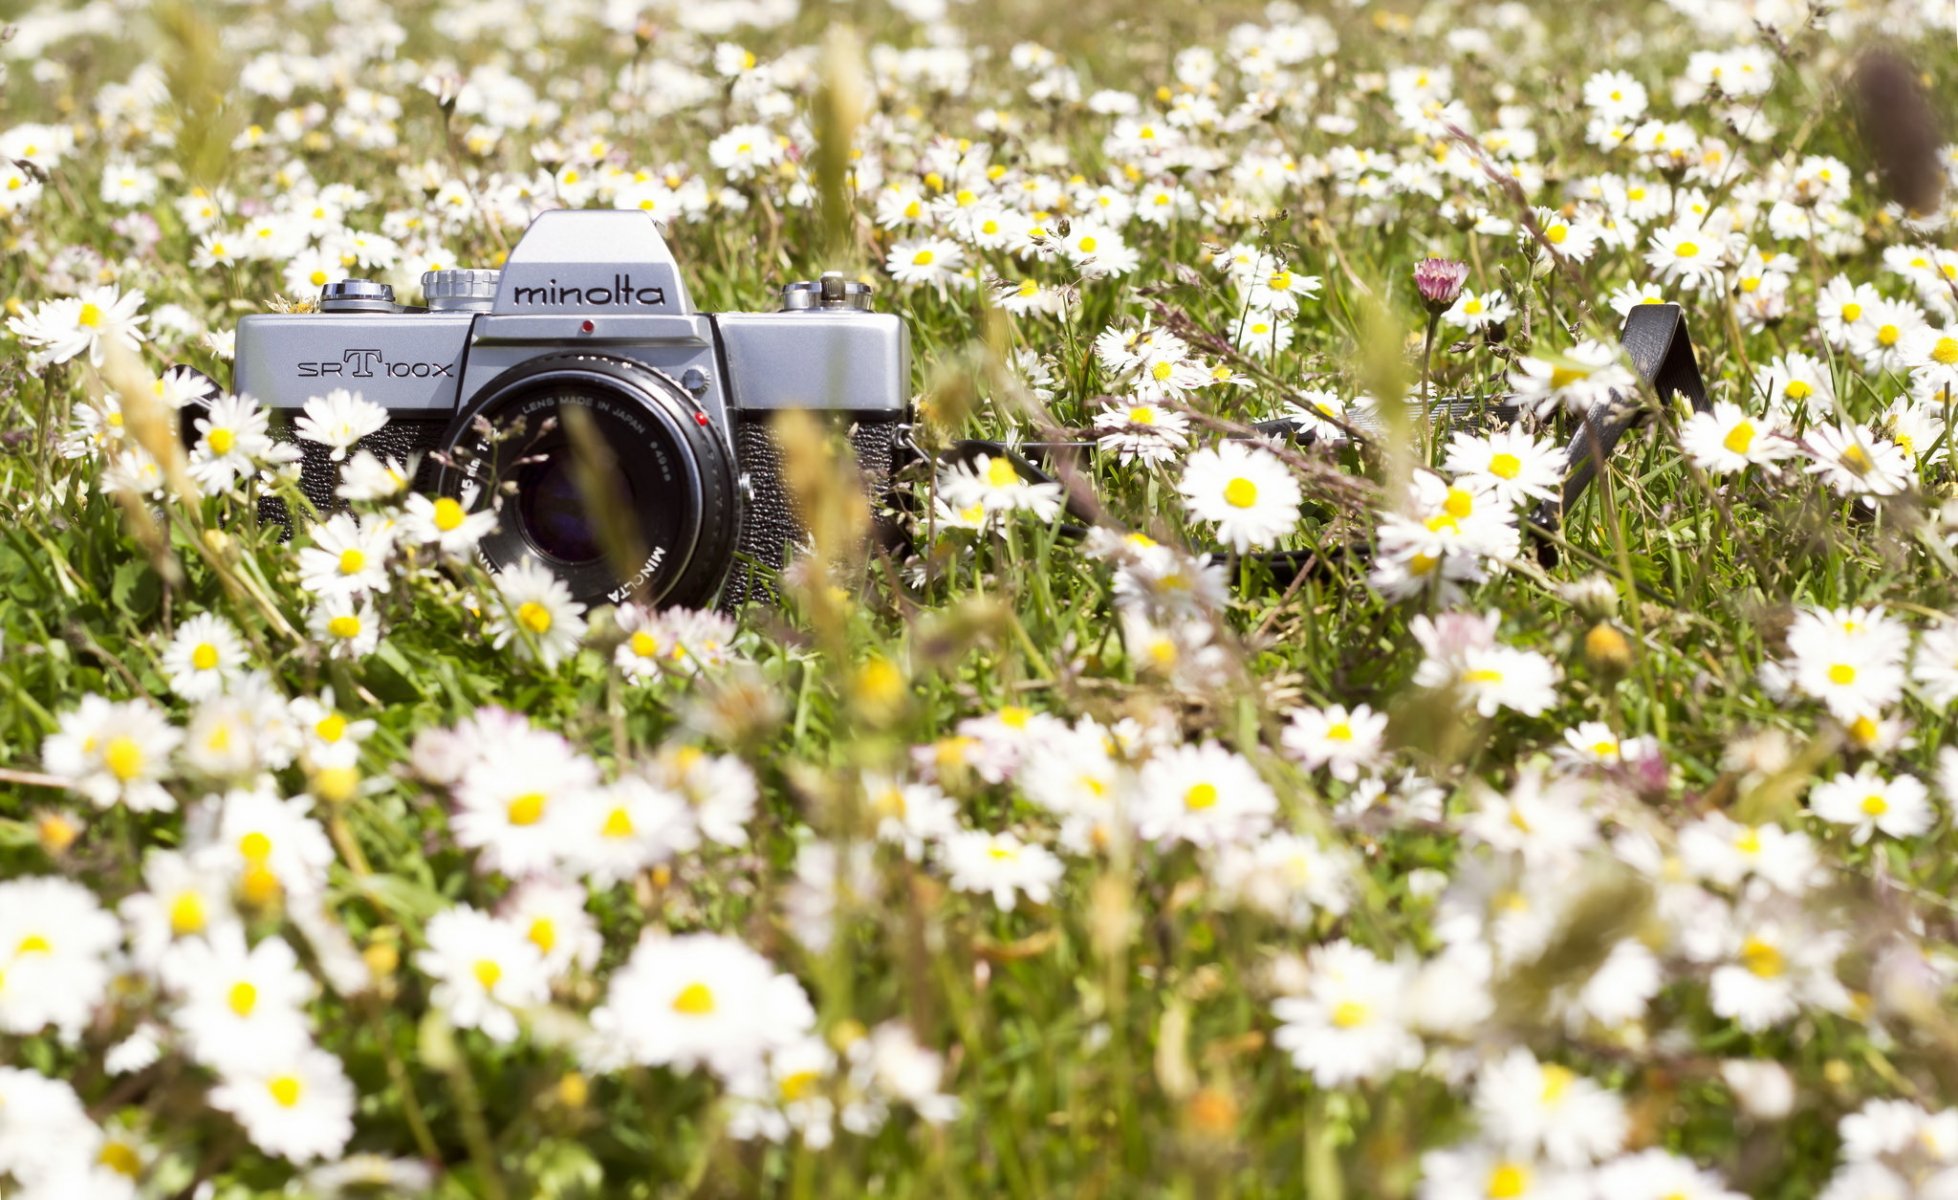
(1076, 844)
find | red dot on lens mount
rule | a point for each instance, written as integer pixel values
(586, 326)
(700, 418)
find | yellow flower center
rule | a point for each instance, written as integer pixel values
(534, 617)
(1875, 805)
(1349, 1014)
(285, 1090)
(1739, 438)
(1798, 390)
(204, 657)
(1200, 797)
(1281, 281)
(694, 1000)
(90, 318)
(1459, 503)
(527, 809)
(1563, 377)
(1687, 250)
(1240, 493)
(255, 847)
(1000, 473)
(1482, 675)
(260, 886)
(487, 973)
(1842, 674)
(1945, 353)
(243, 998)
(1557, 1079)
(1341, 732)
(543, 934)
(1472, 306)
(1761, 958)
(1088, 244)
(33, 943)
(330, 728)
(121, 1158)
(221, 440)
(1556, 234)
(1852, 312)
(618, 824)
(796, 1086)
(1163, 370)
(1142, 415)
(346, 627)
(448, 514)
(123, 757)
(644, 644)
(351, 561)
(922, 258)
(1505, 466)
(1887, 335)
(1864, 730)
(1508, 1181)
(187, 914)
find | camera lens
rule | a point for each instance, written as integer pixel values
(552, 512)
(651, 514)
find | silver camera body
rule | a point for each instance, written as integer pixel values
(590, 310)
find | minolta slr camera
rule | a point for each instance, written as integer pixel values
(589, 311)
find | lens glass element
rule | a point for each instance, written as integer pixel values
(552, 512)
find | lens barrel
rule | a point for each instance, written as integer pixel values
(651, 512)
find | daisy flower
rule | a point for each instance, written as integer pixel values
(1204, 794)
(1727, 440)
(1771, 968)
(1687, 255)
(1344, 742)
(349, 556)
(1350, 1023)
(995, 484)
(1483, 1172)
(1002, 866)
(551, 913)
(72, 326)
(1854, 461)
(537, 613)
(203, 657)
(1473, 312)
(338, 420)
(233, 438)
(345, 625)
(1249, 493)
(265, 845)
(1579, 379)
(177, 901)
(1538, 1109)
(239, 1004)
(1796, 384)
(932, 262)
(485, 971)
(516, 801)
(698, 1000)
(297, 1106)
(613, 833)
(1867, 803)
(443, 523)
(55, 942)
(1934, 668)
(1888, 328)
(1140, 431)
(1286, 876)
(1514, 466)
(114, 752)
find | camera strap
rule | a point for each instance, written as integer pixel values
(1654, 336)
